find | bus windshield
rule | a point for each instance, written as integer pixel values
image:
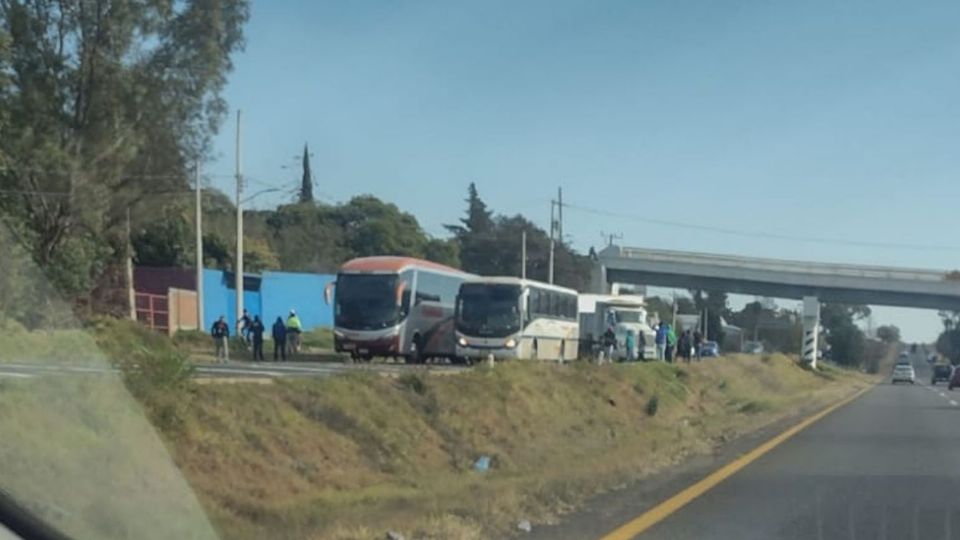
(366, 301)
(488, 310)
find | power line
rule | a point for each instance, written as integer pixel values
(760, 234)
(40, 193)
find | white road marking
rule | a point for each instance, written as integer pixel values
(17, 375)
(954, 403)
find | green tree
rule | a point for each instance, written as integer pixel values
(258, 257)
(491, 245)
(165, 242)
(307, 237)
(216, 252)
(306, 183)
(373, 227)
(442, 251)
(779, 330)
(104, 105)
(715, 302)
(888, 334)
(845, 338)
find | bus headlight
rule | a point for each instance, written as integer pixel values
(511, 343)
(462, 342)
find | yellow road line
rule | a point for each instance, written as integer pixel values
(659, 512)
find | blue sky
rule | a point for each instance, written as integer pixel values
(809, 119)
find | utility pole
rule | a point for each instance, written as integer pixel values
(239, 266)
(673, 323)
(560, 213)
(553, 226)
(523, 255)
(706, 324)
(199, 256)
(131, 294)
(611, 237)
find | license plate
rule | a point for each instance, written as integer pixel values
(348, 346)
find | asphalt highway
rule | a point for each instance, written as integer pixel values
(884, 466)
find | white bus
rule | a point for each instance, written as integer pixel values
(397, 307)
(516, 318)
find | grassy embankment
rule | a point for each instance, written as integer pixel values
(352, 456)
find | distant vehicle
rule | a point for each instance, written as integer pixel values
(625, 313)
(398, 307)
(903, 373)
(710, 349)
(932, 358)
(516, 318)
(941, 372)
(954, 379)
(904, 354)
(753, 347)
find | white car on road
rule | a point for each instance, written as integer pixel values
(903, 372)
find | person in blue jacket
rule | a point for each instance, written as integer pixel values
(279, 340)
(661, 340)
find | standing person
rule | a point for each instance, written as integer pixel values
(256, 333)
(294, 328)
(683, 346)
(671, 343)
(697, 344)
(661, 340)
(631, 346)
(220, 332)
(641, 346)
(244, 326)
(279, 339)
(609, 344)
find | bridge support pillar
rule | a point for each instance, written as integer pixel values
(811, 328)
(598, 279)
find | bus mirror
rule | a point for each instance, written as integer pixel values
(328, 292)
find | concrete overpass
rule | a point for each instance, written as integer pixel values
(810, 281)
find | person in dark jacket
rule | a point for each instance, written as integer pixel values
(279, 339)
(256, 334)
(641, 346)
(220, 332)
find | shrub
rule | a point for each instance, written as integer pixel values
(412, 381)
(652, 405)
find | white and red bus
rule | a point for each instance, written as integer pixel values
(397, 307)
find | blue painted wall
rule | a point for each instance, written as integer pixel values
(282, 291)
(279, 293)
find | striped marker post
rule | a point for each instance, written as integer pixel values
(811, 326)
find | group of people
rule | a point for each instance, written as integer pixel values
(635, 345)
(683, 347)
(286, 336)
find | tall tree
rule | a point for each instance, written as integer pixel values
(715, 303)
(306, 184)
(888, 333)
(104, 105)
(846, 340)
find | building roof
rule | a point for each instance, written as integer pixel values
(393, 264)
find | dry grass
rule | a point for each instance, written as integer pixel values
(354, 456)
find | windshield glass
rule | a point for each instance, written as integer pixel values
(629, 316)
(488, 310)
(366, 301)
